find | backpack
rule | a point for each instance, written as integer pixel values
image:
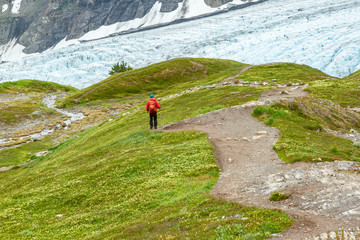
(152, 106)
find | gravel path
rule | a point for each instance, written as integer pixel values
(324, 196)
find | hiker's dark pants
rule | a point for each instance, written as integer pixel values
(153, 120)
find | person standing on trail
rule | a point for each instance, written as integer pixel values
(151, 106)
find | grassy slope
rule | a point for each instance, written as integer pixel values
(284, 73)
(19, 155)
(303, 137)
(345, 91)
(25, 86)
(113, 176)
(106, 182)
(155, 78)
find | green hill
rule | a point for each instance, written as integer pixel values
(26, 86)
(345, 91)
(283, 73)
(119, 180)
(183, 73)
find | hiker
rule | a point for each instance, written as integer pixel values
(151, 106)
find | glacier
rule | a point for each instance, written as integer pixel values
(323, 34)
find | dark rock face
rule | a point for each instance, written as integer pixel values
(41, 24)
(216, 3)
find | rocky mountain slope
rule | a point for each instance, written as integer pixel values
(39, 25)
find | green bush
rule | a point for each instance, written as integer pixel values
(275, 111)
(120, 67)
(278, 196)
(270, 122)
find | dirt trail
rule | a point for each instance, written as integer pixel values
(324, 196)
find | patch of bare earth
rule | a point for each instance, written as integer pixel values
(323, 196)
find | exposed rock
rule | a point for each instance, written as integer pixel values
(246, 139)
(41, 24)
(257, 137)
(6, 169)
(40, 154)
(261, 133)
(216, 3)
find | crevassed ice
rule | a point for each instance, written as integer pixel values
(323, 34)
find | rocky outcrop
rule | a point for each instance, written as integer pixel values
(41, 24)
(216, 3)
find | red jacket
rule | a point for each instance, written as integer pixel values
(156, 104)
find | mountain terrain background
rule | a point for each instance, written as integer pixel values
(81, 44)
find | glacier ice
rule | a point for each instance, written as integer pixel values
(324, 34)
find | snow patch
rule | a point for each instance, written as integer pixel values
(186, 9)
(5, 7)
(196, 8)
(11, 51)
(15, 6)
(64, 43)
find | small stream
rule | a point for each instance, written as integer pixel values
(49, 101)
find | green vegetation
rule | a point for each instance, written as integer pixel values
(106, 182)
(345, 91)
(120, 67)
(119, 181)
(284, 73)
(205, 100)
(303, 137)
(16, 109)
(153, 79)
(278, 196)
(14, 114)
(25, 86)
(19, 155)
